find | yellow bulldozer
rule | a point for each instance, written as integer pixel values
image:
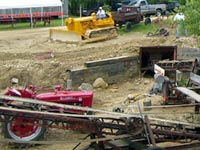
(85, 29)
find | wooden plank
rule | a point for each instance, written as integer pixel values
(39, 113)
(150, 130)
(165, 121)
(194, 78)
(189, 93)
(65, 106)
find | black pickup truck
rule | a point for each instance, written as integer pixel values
(172, 5)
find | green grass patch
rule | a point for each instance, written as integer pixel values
(141, 27)
(26, 25)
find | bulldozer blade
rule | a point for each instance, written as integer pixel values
(63, 35)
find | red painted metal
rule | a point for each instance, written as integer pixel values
(80, 98)
(28, 15)
(21, 127)
(23, 130)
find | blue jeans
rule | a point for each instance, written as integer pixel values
(179, 28)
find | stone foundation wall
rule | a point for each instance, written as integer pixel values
(112, 70)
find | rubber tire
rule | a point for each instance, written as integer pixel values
(167, 13)
(128, 26)
(158, 13)
(7, 133)
(147, 20)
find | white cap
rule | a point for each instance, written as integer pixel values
(100, 7)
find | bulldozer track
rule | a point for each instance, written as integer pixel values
(101, 32)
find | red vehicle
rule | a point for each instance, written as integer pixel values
(27, 132)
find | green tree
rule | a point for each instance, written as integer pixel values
(74, 5)
(192, 15)
(158, 1)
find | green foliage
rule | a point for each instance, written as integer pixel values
(183, 82)
(74, 5)
(192, 14)
(106, 7)
(158, 1)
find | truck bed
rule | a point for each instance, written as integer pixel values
(129, 13)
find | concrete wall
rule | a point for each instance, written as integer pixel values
(112, 70)
(117, 69)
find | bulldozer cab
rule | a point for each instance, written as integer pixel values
(105, 22)
(106, 16)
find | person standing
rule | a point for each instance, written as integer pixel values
(179, 18)
(100, 13)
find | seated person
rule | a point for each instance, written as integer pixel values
(101, 13)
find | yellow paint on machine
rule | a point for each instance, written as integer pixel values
(85, 29)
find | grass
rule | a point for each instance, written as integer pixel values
(26, 25)
(141, 27)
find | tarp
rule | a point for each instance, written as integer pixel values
(11, 4)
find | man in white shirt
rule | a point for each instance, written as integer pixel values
(179, 18)
(101, 13)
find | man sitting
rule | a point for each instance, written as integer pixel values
(101, 13)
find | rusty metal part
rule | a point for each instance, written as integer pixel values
(189, 146)
(158, 32)
(172, 94)
(182, 65)
(150, 131)
(174, 133)
(105, 127)
(150, 55)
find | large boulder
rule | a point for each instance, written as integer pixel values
(100, 83)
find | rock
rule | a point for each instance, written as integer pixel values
(146, 82)
(114, 90)
(133, 96)
(114, 86)
(85, 87)
(130, 97)
(100, 83)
